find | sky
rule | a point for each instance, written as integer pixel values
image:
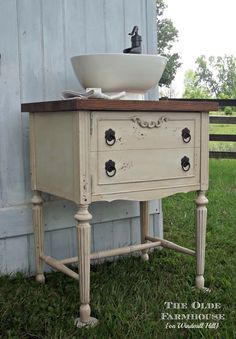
(205, 27)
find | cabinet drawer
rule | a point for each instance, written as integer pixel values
(145, 131)
(146, 165)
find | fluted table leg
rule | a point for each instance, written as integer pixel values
(38, 225)
(144, 225)
(201, 203)
(83, 242)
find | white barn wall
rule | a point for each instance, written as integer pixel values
(37, 39)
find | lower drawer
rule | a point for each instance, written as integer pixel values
(132, 166)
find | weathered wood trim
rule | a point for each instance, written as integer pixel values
(171, 245)
(222, 155)
(222, 137)
(113, 252)
(58, 265)
(214, 119)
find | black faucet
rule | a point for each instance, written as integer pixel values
(136, 40)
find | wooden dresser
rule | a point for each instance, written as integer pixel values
(94, 150)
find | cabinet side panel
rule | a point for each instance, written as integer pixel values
(54, 153)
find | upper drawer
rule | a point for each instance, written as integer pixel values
(144, 130)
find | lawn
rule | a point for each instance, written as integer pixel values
(128, 296)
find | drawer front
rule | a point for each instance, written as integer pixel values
(146, 131)
(137, 151)
(146, 165)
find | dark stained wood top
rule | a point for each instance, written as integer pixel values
(119, 105)
(221, 102)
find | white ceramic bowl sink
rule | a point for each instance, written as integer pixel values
(135, 73)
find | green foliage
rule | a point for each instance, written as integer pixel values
(228, 110)
(214, 77)
(192, 89)
(167, 35)
(218, 74)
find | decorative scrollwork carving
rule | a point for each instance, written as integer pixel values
(150, 124)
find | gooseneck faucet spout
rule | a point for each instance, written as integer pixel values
(136, 40)
(134, 30)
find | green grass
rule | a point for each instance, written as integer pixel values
(128, 296)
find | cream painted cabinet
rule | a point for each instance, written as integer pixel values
(94, 150)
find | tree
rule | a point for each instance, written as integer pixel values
(192, 90)
(167, 35)
(214, 77)
(218, 75)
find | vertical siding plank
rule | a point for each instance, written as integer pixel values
(30, 254)
(114, 28)
(74, 26)
(151, 26)
(16, 253)
(31, 68)
(12, 183)
(95, 26)
(103, 236)
(121, 233)
(73, 242)
(54, 57)
(60, 242)
(158, 225)
(132, 17)
(30, 40)
(135, 237)
(3, 268)
(31, 251)
(151, 37)
(151, 225)
(144, 23)
(26, 161)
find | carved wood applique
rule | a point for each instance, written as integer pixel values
(150, 124)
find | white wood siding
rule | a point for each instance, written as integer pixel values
(37, 39)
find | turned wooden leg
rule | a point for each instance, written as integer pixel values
(83, 242)
(201, 203)
(144, 226)
(38, 225)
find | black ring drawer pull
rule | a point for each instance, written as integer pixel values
(110, 168)
(186, 135)
(185, 164)
(110, 137)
